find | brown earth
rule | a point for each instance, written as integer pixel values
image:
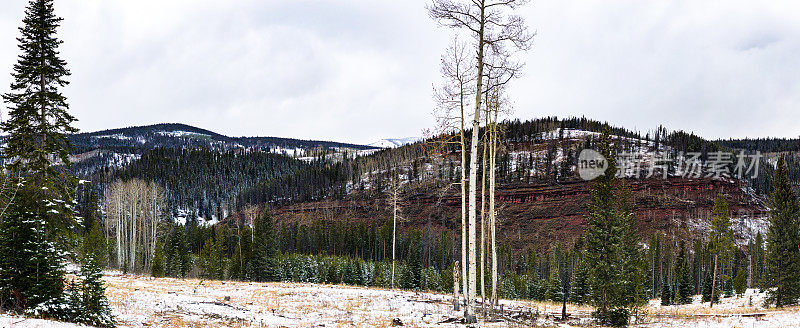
(539, 215)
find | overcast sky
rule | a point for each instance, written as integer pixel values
(362, 70)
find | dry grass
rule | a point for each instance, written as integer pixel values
(170, 302)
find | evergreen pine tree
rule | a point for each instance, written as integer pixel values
(93, 308)
(38, 120)
(94, 244)
(685, 285)
(30, 269)
(172, 260)
(185, 260)
(759, 260)
(666, 294)
(707, 288)
(157, 268)
(240, 262)
(633, 265)
(580, 286)
(783, 241)
(205, 262)
(721, 242)
(727, 285)
(264, 249)
(178, 262)
(611, 251)
(218, 259)
(740, 282)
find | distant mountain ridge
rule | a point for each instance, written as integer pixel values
(115, 148)
(139, 138)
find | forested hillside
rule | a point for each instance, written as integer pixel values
(209, 175)
(203, 182)
(334, 210)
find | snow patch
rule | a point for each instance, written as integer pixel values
(394, 142)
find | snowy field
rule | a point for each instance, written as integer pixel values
(165, 302)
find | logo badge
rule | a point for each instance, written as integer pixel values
(591, 164)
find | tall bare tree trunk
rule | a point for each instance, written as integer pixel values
(483, 229)
(473, 168)
(463, 208)
(492, 212)
(394, 227)
(714, 280)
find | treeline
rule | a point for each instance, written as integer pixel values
(354, 253)
(763, 182)
(533, 130)
(764, 145)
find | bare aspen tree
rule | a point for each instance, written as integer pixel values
(483, 226)
(395, 186)
(492, 196)
(501, 69)
(458, 71)
(394, 225)
(491, 25)
(249, 212)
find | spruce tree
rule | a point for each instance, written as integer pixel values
(740, 282)
(157, 268)
(759, 260)
(263, 248)
(707, 289)
(666, 294)
(172, 260)
(218, 264)
(783, 241)
(683, 272)
(93, 308)
(38, 119)
(721, 241)
(178, 263)
(611, 252)
(94, 244)
(184, 259)
(30, 271)
(37, 147)
(580, 287)
(206, 263)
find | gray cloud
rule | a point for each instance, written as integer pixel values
(362, 70)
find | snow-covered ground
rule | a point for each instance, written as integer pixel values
(744, 312)
(165, 302)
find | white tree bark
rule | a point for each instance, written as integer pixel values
(492, 211)
(473, 169)
(491, 26)
(394, 226)
(134, 210)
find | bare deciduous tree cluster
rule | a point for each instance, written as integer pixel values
(134, 209)
(496, 36)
